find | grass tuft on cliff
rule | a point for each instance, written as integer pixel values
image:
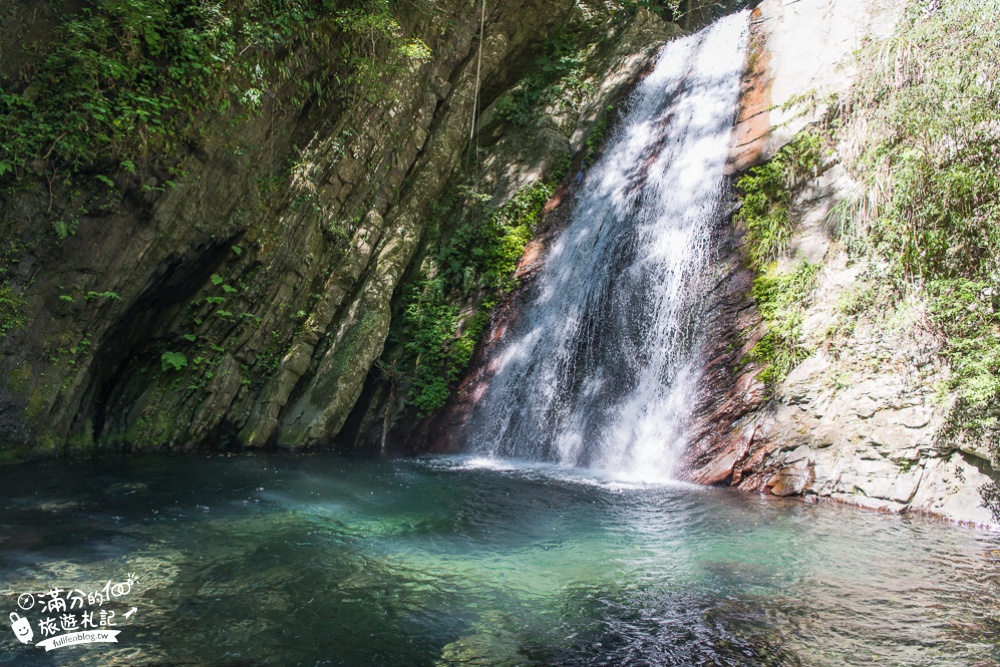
(124, 82)
(767, 192)
(782, 298)
(923, 139)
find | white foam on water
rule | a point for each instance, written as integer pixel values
(551, 472)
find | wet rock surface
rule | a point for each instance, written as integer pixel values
(272, 304)
(860, 419)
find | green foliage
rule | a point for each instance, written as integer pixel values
(482, 255)
(173, 361)
(767, 192)
(560, 69)
(966, 311)
(491, 243)
(117, 82)
(596, 137)
(439, 351)
(112, 296)
(125, 79)
(64, 229)
(781, 299)
(12, 311)
(923, 141)
(70, 356)
(518, 106)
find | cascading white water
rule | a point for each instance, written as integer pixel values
(602, 367)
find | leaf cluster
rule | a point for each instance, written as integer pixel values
(125, 81)
(781, 299)
(767, 192)
(480, 256)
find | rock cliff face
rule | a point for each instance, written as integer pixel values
(249, 301)
(246, 301)
(267, 271)
(861, 418)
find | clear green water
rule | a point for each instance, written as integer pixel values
(318, 560)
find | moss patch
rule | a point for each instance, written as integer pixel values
(782, 299)
(767, 192)
(480, 256)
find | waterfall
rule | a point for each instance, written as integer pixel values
(601, 368)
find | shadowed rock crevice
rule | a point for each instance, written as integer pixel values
(132, 343)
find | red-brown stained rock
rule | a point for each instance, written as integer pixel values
(447, 430)
(724, 431)
(753, 124)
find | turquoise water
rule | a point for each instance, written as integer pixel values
(319, 560)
